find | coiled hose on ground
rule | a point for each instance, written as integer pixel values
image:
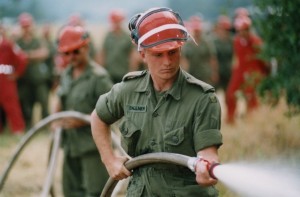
(55, 146)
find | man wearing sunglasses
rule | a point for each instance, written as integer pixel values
(164, 109)
(80, 85)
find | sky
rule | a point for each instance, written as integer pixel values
(96, 11)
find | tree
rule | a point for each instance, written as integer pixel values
(277, 22)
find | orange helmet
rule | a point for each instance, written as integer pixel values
(25, 20)
(224, 22)
(116, 16)
(71, 38)
(242, 23)
(158, 29)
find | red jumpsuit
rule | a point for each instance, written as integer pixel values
(12, 64)
(246, 75)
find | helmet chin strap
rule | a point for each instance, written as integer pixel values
(162, 28)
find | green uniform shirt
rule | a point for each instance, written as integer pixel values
(117, 50)
(224, 50)
(36, 71)
(185, 120)
(81, 95)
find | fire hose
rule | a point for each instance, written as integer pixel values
(53, 154)
(162, 157)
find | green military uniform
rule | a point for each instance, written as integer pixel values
(184, 120)
(50, 77)
(224, 50)
(33, 85)
(117, 49)
(199, 58)
(83, 172)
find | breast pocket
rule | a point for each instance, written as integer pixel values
(81, 102)
(174, 140)
(130, 136)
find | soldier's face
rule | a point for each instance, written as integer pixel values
(77, 57)
(163, 65)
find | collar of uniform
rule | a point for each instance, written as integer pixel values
(175, 91)
(143, 85)
(86, 73)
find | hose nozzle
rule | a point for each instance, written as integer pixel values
(211, 170)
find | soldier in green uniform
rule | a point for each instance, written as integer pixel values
(163, 109)
(224, 47)
(201, 58)
(33, 85)
(81, 84)
(116, 49)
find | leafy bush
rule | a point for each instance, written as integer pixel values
(278, 25)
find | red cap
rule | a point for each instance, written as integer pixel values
(71, 38)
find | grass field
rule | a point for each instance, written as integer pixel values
(265, 135)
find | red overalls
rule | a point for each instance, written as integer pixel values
(12, 63)
(246, 75)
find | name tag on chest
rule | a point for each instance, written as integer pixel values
(137, 108)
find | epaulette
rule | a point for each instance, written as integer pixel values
(134, 75)
(191, 79)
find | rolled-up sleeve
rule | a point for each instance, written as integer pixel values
(109, 106)
(208, 123)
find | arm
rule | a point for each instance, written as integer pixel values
(102, 137)
(38, 54)
(202, 175)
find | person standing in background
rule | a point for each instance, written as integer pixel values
(13, 63)
(117, 48)
(80, 85)
(76, 20)
(224, 46)
(32, 86)
(49, 61)
(248, 70)
(201, 59)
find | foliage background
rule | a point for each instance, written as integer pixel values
(277, 22)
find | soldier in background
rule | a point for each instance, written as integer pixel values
(80, 85)
(32, 85)
(117, 48)
(224, 46)
(201, 58)
(49, 61)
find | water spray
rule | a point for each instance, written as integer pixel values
(244, 180)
